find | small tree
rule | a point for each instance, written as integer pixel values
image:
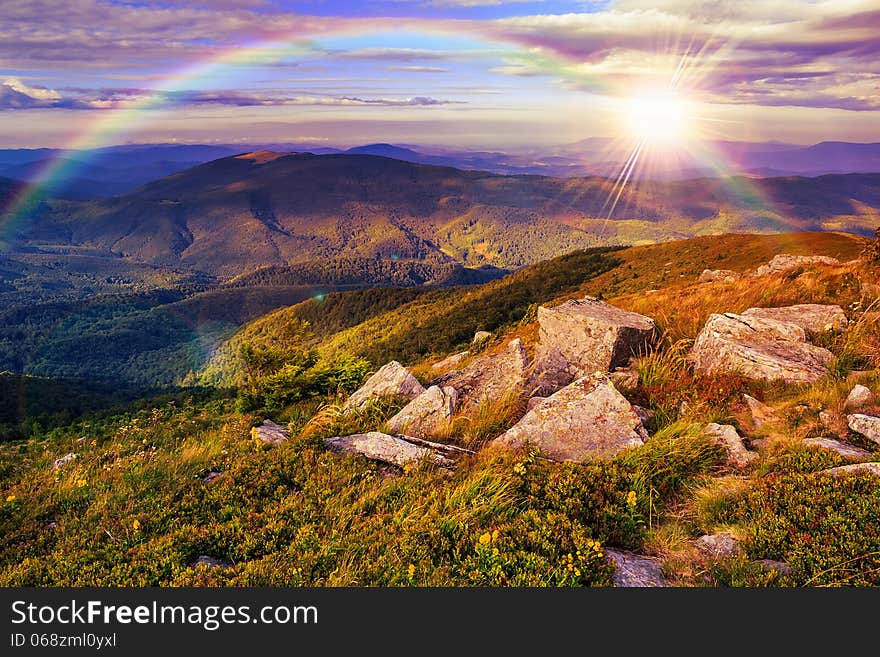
(872, 249)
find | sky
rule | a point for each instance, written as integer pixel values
(493, 74)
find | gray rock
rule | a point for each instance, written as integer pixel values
(635, 571)
(712, 275)
(585, 421)
(761, 413)
(726, 436)
(846, 451)
(450, 361)
(785, 262)
(584, 336)
(866, 425)
(480, 337)
(814, 318)
(211, 562)
(827, 418)
(211, 476)
(426, 414)
(859, 396)
(771, 566)
(872, 468)
(396, 450)
(644, 414)
(271, 433)
(720, 545)
(64, 460)
(392, 380)
(761, 349)
(533, 401)
(625, 378)
(490, 377)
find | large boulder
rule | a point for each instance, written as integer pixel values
(426, 414)
(726, 436)
(785, 262)
(392, 380)
(758, 348)
(396, 450)
(450, 361)
(635, 571)
(843, 449)
(856, 469)
(814, 318)
(866, 425)
(490, 377)
(587, 420)
(584, 336)
(859, 396)
(270, 433)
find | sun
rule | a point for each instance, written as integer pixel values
(660, 118)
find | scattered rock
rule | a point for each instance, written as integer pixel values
(82, 439)
(392, 380)
(872, 468)
(211, 476)
(761, 413)
(52, 525)
(785, 262)
(760, 443)
(396, 450)
(634, 571)
(490, 377)
(814, 318)
(585, 336)
(644, 414)
(726, 436)
(761, 349)
(712, 275)
(587, 420)
(427, 413)
(480, 337)
(858, 397)
(827, 418)
(865, 425)
(271, 433)
(64, 460)
(846, 451)
(210, 562)
(719, 545)
(625, 378)
(450, 361)
(771, 566)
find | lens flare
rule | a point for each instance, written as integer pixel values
(659, 118)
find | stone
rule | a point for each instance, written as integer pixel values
(625, 378)
(211, 476)
(211, 562)
(827, 418)
(760, 349)
(760, 413)
(644, 414)
(846, 451)
(872, 468)
(480, 337)
(64, 460)
(785, 262)
(426, 414)
(587, 420)
(771, 566)
(712, 275)
(726, 436)
(719, 546)
(866, 425)
(814, 318)
(635, 571)
(533, 401)
(490, 377)
(270, 433)
(392, 380)
(859, 396)
(450, 361)
(583, 336)
(396, 450)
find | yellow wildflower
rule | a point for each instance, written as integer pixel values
(81, 483)
(495, 552)
(494, 535)
(136, 525)
(11, 498)
(485, 539)
(631, 498)
(411, 570)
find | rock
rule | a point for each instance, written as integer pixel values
(814, 318)
(271, 433)
(584, 421)
(210, 562)
(827, 418)
(427, 413)
(584, 336)
(82, 439)
(634, 571)
(52, 525)
(866, 425)
(533, 401)
(726, 436)
(396, 450)
(211, 476)
(846, 451)
(64, 460)
(392, 380)
(760, 443)
(761, 349)
(480, 337)
(872, 468)
(719, 545)
(859, 396)
(450, 361)
(625, 378)
(712, 275)
(785, 262)
(490, 377)
(771, 566)
(761, 413)
(644, 414)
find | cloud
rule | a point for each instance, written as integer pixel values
(395, 54)
(417, 69)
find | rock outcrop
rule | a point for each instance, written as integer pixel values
(718, 546)
(210, 562)
(392, 380)
(762, 349)
(396, 450)
(760, 413)
(490, 377)
(584, 336)
(635, 571)
(450, 361)
(785, 262)
(713, 275)
(726, 436)
(814, 318)
(64, 460)
(271, 433)
(426, 414)
(859, 396)
(587, 420)
(844, 450)
(865, 425)
(871, 469)
(480, 337)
